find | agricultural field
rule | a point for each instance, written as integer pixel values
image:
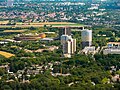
(53, 24)
(4, 22)
(42, 24)
(13, 31)
(45, 23)
(6, 54)
(67, 25)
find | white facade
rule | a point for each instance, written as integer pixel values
(88, 50)
(73, 46)
(65, 38)
(111, 51)
(10, 3)
(47, 39)
(69, 45)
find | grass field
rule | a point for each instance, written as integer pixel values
(41, 24)
(6, 54)
(69, 25)
(45, 23)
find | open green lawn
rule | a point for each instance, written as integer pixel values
(69, 25)
(41, 24)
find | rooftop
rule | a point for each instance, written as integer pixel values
(113, 43)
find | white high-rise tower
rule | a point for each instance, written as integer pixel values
(10, 3)
(69, 45)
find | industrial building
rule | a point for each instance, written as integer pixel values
(86, 36)
(47, 40)
(30, 37)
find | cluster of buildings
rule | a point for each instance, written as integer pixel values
(60, 12)
(35, 69)
(87, 48)
(112, 48)
(69, 44)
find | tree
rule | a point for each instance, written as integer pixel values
(6, 87)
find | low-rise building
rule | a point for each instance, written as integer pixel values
(111, 51)
(48, 48)
(111, 44)
(89, 50)
(47, 40)
(3, 42)
(30, 37)
(116, 78)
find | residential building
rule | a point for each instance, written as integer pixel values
(10, 3)
(86, 36)
(65, 38)
(69, 45)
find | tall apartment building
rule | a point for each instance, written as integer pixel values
(86, 36)
(10, 3)
(69, 45)
(65, 38)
